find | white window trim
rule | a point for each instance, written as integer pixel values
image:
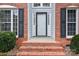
(12, 20)
(17, 24)
(76, 22)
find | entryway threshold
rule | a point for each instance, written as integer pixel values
(41, 39)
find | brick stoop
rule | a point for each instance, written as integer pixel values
(41, 49)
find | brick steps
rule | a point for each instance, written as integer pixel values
(25, 43)
(40, 49)
(40, 54)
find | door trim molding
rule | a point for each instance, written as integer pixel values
(30, 10)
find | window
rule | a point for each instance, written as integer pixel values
(41, 5)
(15, 17)
(5, 22)
(46, 4)
(37, 4)
(8, 20)
(71, 22)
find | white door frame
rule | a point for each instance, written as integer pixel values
(29, 18)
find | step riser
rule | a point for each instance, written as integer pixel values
(23, 44)
(40, 55)
(41, 50)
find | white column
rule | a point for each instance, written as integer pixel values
(77, 11)
(11, 20)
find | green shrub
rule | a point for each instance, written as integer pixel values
(7, 41)
(74, 45)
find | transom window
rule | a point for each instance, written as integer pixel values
(71, 22)
(46, 4)
(42, 5)
(8, 20)
(37, 4)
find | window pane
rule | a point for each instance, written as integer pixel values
(71, 15)
(5, 15)
(5, 27)
(5, 20)
(15, 27)
(37, 4)
(71, 22)
(71, 28)
(46, 4)
(15, 15)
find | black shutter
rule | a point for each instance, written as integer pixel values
(21, 22)
(63, 22)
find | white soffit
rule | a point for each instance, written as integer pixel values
(7, 6)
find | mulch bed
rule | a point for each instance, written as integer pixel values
(10, 53)
(69, 52)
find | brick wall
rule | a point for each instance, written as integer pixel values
(57, 20)
(21, 5)
(57, 23)
(24, 5)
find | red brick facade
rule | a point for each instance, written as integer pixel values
(25, 37)
(57, 23)
(21, 5)
(58, 6)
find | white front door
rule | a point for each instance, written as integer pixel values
(41, 24)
